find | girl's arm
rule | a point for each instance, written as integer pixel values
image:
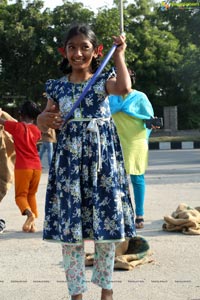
(50, 117)
(5, 116)
(121, 85)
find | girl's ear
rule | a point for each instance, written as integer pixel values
(99, 50)
(96, 52)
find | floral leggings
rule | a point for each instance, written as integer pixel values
(74, 265)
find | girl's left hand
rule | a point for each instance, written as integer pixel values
(49, 119)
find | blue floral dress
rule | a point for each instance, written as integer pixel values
(87, 193)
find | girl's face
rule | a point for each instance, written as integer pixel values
(80, 52)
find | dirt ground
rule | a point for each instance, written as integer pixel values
(32, 269)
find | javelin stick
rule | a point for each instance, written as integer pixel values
(121, 17)
(99, 70)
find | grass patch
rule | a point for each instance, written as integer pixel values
(184, 138)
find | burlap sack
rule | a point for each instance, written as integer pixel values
(128, 254)
(7, 158)
(184, 219)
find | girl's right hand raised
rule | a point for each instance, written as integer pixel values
(120, 41)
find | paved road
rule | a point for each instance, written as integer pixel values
(31, 269)
(173, 166)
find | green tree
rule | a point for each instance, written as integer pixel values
(184, 24)
(163, 49)
(155, 54)
(23, 45)
(30, 39)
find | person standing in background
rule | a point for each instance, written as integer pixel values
(128, 113)
(48, 139)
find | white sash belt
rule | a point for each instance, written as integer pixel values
(93, 126)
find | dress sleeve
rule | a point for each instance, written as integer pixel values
(111, 73)
(101, 82)
(108, 74)
(51, 89)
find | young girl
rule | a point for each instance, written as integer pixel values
(87, 193)
(27, 165)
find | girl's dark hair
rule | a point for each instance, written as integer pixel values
(87, 31)
(29, 109)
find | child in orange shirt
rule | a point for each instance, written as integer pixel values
(27, 165)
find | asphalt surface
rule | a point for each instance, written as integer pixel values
(31, 268)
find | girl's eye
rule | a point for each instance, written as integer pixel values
(86, 48)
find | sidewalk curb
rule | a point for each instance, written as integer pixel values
(173, 145)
